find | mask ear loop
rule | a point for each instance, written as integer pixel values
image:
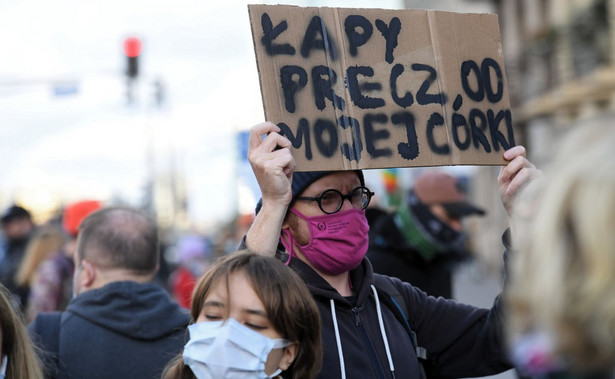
(286, 234)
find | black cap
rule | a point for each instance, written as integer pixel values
(14, 212)
(303, 179)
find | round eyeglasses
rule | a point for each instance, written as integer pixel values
(332, 200)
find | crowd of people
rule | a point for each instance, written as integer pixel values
(314, 289)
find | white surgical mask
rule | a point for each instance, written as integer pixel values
(228, 349)
(5, 361)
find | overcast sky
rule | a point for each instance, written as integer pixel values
(90, 143)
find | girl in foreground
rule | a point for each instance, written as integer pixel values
(252, 317)
(18, 359)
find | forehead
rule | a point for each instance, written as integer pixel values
(240, 291)
(342, 181)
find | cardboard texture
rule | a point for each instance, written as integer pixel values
(374, 88)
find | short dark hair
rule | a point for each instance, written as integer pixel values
(15, 212)
(119, 237)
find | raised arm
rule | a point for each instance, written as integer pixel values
(273, 166)
(515, 175)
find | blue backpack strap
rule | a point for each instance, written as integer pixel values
(395, 301)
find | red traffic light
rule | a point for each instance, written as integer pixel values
(132, 47)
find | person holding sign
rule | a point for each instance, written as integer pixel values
(373, 326)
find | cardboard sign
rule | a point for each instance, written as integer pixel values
(374, 88)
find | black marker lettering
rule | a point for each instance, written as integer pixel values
(351, 152)
(435, 120)
(360, 100)
(466, 68)
(486, 75)
(325, 136)
(303, 134)
(270, 33)
(409, 150)
(372, 135)
(497, 138)
(289, 86)
(460, 121)
(457, 103)
(478, 136)
(355, 39)
(390, 33)
(405, 101)
(323, 88)
(422, 97)
(324, 43)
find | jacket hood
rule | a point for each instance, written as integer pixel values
(361, 278)
(119, 302)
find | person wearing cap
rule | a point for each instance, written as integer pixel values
(319, 219)
(17, 227)
(423, 239)
(52, 285)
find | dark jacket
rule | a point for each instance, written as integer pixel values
(10, 260)
(390, 254)
(461, 340)
(122, 330)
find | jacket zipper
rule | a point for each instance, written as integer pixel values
(370, 349)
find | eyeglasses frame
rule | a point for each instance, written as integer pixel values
(346, 196)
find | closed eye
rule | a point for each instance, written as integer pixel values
(213, 310)
(255, 327)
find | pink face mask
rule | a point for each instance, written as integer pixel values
(338, 241)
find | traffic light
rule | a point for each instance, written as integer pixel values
(132, 50)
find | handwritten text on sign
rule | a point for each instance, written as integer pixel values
(359, 88)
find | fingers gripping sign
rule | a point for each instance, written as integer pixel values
(272, 163)
(515, 175)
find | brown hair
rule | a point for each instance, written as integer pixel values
(288, 303)
(16, 343)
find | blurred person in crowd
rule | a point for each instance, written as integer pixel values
(252, 317)
(164, 267)
(119, 325)
(193, 256)
(45, 242)
(562, 277)
(319, 218)
(17, 227)
(423, 239)
(18, 359)
(51, 286)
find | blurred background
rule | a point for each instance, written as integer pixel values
(148, 103)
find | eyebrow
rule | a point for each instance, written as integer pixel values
(219, 304)
(255, 312)
(213, 303)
